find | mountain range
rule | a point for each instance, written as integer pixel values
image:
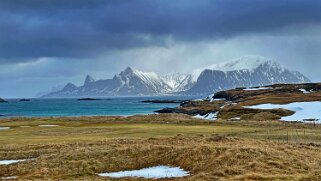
(247, 71)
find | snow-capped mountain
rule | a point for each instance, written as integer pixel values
(129, 82)
(246, 71)
(178, 82)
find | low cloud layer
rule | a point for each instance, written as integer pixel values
(85, 28)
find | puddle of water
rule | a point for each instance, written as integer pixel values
(156, 172)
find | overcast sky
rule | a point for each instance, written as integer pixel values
(47, 43)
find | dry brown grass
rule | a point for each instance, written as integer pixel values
(221, 150)
(280, 94)
(206, 158)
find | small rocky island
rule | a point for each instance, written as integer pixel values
(24, 100)
(2, 100)
(88, 99)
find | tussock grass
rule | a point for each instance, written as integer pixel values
(206, 157)
(210, 150)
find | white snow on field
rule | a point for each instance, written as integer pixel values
(4, 128)
(150, 173)
(209, 116)
(303, 110)
(9, 178)
(305, 91)
(259, 88)
(25, 126)
(211, 100)
(236, 119)
(8, 162)
(48, 125)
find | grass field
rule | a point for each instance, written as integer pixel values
(78, 148)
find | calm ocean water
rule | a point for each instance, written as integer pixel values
(122, 106)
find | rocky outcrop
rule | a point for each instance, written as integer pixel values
(165, 101)
(232, 104)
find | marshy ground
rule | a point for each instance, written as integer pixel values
(79, 148)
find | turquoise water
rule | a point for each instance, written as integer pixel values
(121, 106)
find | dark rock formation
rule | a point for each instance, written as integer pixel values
(2, 100)
(88, 99)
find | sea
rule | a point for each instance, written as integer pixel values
(112, 106)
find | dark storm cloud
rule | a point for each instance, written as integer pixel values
(87, 28)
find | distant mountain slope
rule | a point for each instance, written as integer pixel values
(129, 82)
(247, 71)
(178, 82)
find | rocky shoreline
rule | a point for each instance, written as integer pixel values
(230, 104)
(165, 101)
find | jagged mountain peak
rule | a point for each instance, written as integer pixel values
(246, 71)
(128, 70)
(89, 80)
(146, 76)
(70, 87)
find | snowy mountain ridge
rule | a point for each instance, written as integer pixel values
(247, 71)
(244, 63)
(130, 82)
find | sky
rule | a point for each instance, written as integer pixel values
(45, 44)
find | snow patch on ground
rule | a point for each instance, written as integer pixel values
(305, 91)
(259, 88)
(48, 125)
(4, 128)
(212, 100)
(149, 173)
(8, 162)
(304, 111)
(9, 178)
(222, 106)
(209, 116)
(236, 119)
(25, 126)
